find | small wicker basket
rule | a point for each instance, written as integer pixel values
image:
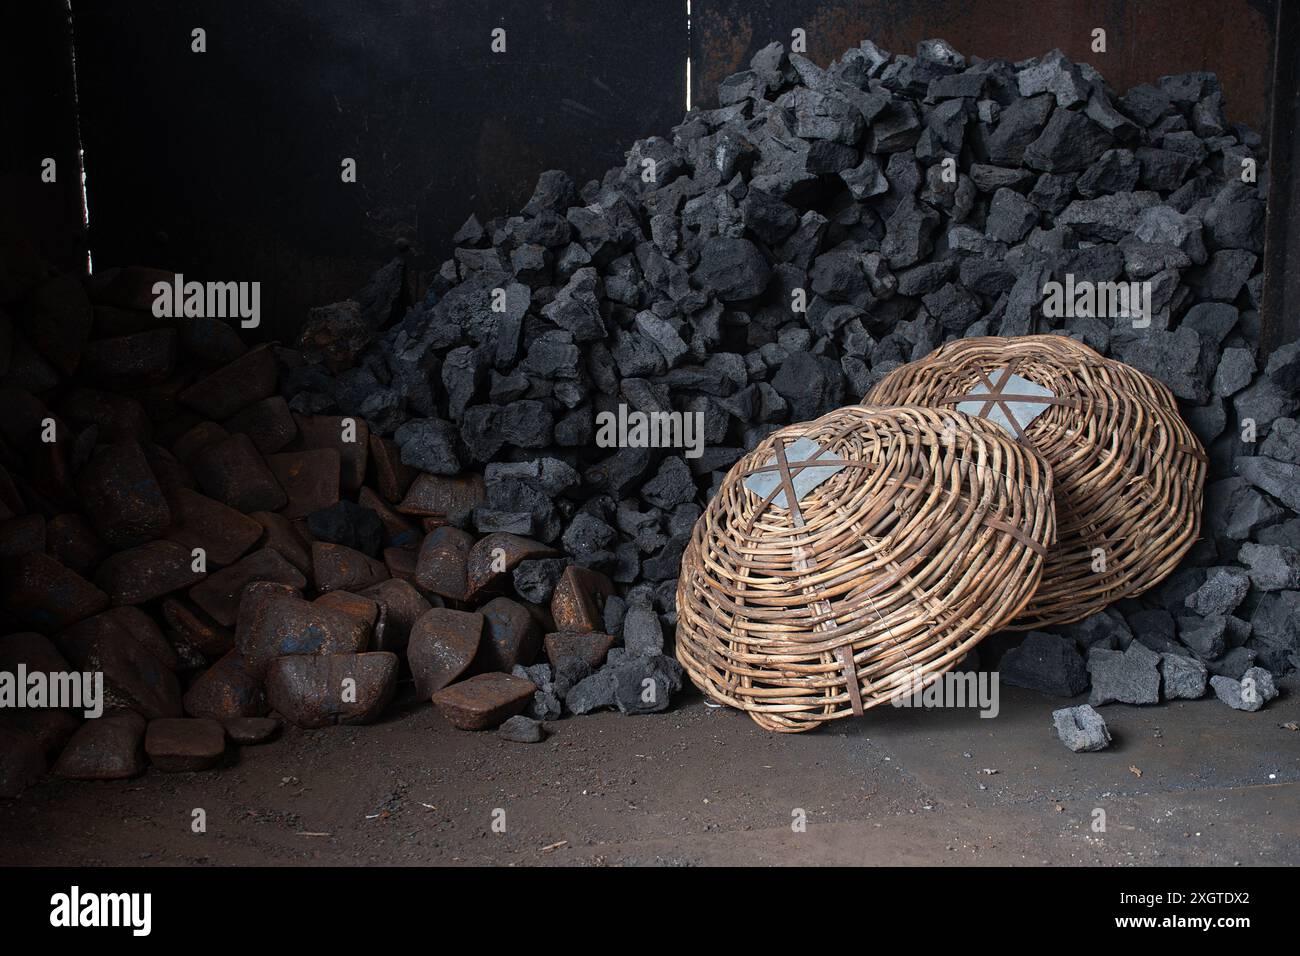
(1129, 473)
(847, 561)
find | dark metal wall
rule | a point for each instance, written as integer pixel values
(38, 119)
(226, 164)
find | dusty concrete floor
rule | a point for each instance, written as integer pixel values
(705, 786)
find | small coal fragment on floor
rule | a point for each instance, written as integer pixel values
(1081, 728)
(522, 730)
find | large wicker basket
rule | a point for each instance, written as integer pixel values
(798, 604)
(1129, 474)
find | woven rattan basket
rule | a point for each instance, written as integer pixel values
(847, 561)
(1129, 474)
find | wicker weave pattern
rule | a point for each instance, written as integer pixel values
(931, 537)
(1129, 473)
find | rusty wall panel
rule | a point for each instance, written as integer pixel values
(226, 164)
(1281, 306)
(1145, 38)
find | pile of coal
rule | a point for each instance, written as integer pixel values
(775, 256)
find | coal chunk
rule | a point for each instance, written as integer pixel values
(576, 307)
(810, 385)
(733, 269)
(1081, 728)
(1182, 678)
(1046, 663)
(429, 445)
(1253, 691)
(1129, 677)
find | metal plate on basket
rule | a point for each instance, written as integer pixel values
(803, 479)
(1023, 412)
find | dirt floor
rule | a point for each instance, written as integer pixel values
(1191, 782)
